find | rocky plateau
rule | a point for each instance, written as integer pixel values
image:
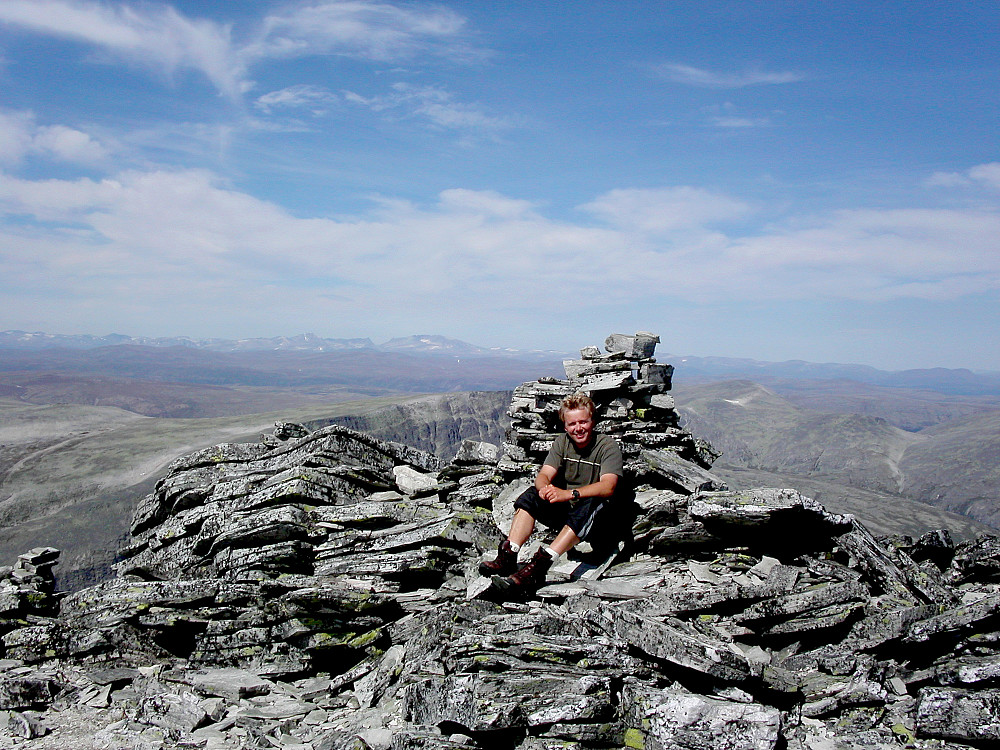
(317, 590)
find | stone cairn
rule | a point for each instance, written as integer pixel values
(630, 391)
(318, 591)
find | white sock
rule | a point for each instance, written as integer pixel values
(515, 547)
(552, 553)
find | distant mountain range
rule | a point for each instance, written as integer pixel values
(688, 369)
(958, 381)
(303, 342)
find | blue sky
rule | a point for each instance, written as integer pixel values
(778, 180)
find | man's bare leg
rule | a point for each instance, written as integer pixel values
(565, 541)
(521, 527)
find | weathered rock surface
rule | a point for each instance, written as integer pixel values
(318, 591)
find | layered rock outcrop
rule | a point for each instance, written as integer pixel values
(318, 590)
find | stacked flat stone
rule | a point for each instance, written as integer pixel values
(27, 587)
(631, 394)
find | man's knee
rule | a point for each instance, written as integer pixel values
(528, 501)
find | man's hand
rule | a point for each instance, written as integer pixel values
(555, 494)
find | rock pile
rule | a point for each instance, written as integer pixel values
(630, 392)
(318, 591)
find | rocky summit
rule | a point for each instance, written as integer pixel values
(318, 591)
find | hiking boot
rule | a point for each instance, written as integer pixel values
(504, 565)
(531, 575)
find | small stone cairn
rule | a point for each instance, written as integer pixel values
(630, 392)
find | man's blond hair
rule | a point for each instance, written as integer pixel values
(576, 400)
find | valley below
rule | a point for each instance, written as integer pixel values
(80, 447)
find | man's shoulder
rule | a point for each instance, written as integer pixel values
(603, 441)
(561, 442)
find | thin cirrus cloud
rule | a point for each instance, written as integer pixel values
(432, 104)
(301, 96)
(155, 36)
(158, 37)
(365, 30)
(735, 121)
(692, 76)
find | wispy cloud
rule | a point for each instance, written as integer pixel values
(301, 96)
(434, 105)
(734, 121)
(159, 37)
(155, 36)
(366, 30)
(692, 76)
(727, 115)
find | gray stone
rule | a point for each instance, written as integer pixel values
(954, 620)
(27, 691)
(668, 719)
(231, 684)
(680, 646)
(641, 345)
(178, 713)
(475, 452)
(895, 571)
(289, 430)
(413, 482)
(953, 714)
(22, 725)
(683, 474)
(483, 702)
(582, 368)
(815, 598)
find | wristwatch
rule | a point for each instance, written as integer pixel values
(576, 497)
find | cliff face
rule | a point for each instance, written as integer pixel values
(437, 424)
(318, 589)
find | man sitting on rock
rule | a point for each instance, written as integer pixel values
(577, 479)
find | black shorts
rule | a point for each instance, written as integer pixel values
(579, 517)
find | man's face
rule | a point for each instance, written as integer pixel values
(579, 426)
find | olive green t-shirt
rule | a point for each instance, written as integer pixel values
(579, 468)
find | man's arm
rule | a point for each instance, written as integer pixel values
(544, 477)
(604, 487)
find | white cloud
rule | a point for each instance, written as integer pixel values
(432, 104)
(315, 98)
(20, 136)
(983, 174)
(988, 174)
(360, 29)
(148, 239)
(68, 144)
(665, 210)
(152, 35)
(691, 76)
(737, 121)
(158, 36)
(486, 204)
(947, 180)
(16, 136)
(877, 255)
